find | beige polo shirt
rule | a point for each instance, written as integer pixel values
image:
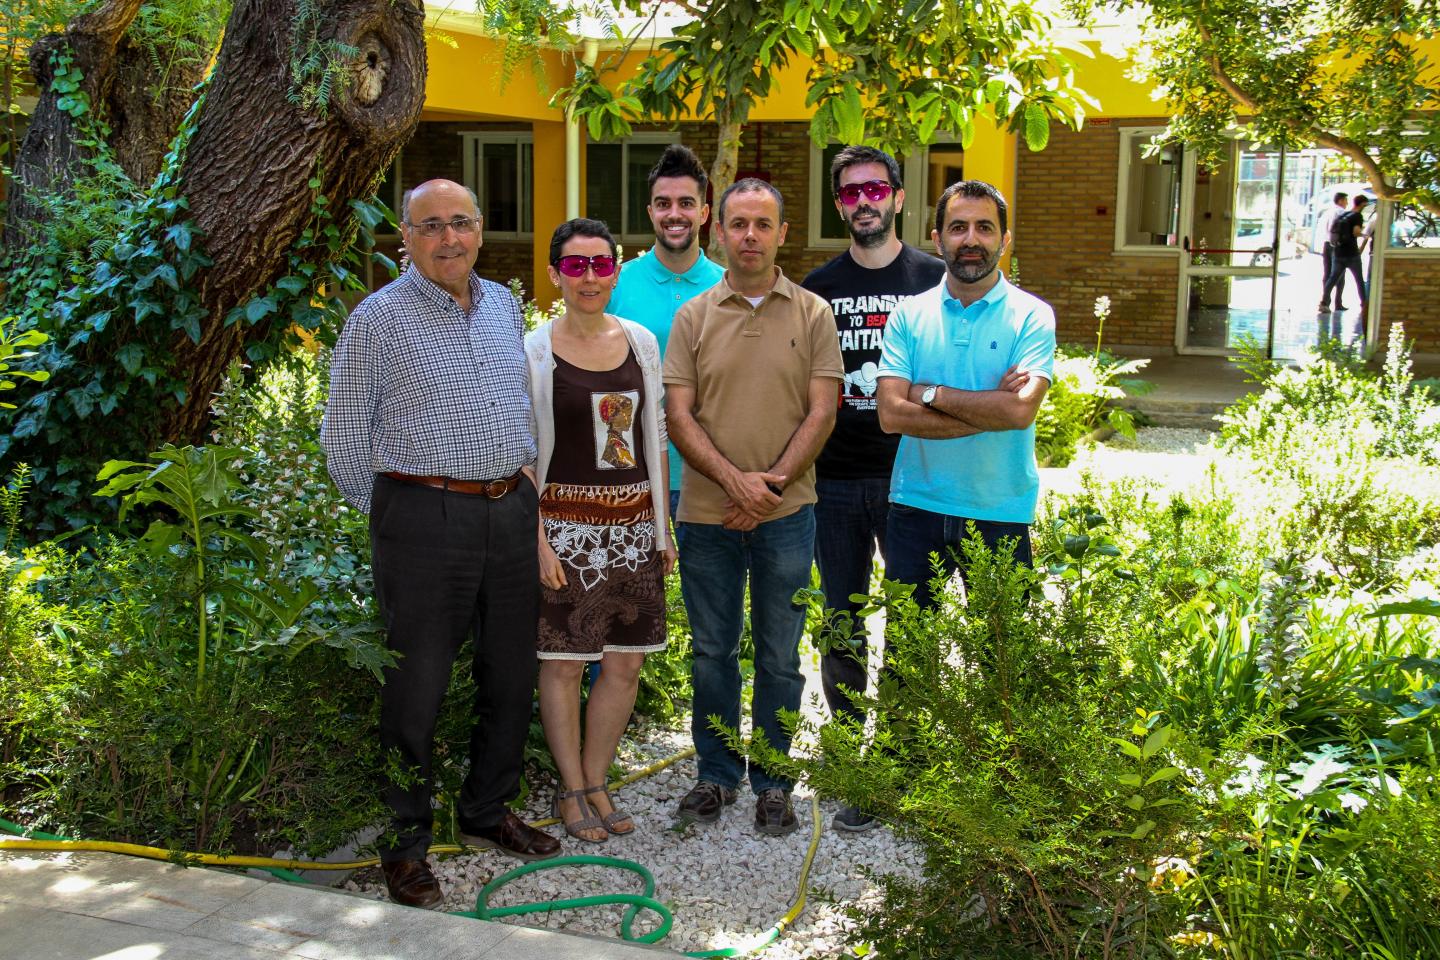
(751, 369)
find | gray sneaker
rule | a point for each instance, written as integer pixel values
(853, 820)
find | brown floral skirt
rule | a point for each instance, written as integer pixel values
(614, 593)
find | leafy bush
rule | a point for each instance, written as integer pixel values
(1086, 384)
(1205, 726)
(1007, 747)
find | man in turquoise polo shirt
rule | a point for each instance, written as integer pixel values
(653, 286)
(963, 370)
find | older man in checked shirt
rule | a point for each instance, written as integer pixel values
(427, 430)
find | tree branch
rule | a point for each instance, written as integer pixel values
(1350, 148)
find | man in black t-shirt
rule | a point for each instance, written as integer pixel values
(862, 286)
(1345, 254)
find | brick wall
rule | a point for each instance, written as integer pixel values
(1412, 290)
(1064, 229)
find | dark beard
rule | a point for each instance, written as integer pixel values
(876, 235)
(972, 273)
(661, 239)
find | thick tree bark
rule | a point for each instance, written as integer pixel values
(50, 157)
(247, 171)
(722, 171)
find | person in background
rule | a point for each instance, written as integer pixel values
(1327, 221)
(604, 535)
(1345, 254)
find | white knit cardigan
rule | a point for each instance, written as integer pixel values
(541, 360)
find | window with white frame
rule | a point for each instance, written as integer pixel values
(1147, 205)
(617, 183)
(500, 168)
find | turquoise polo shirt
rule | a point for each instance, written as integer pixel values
(649, 294)
(933, 338)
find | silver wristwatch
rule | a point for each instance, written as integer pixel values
(929, 395)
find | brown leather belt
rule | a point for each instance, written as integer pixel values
(494, 489)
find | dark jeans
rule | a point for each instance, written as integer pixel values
(449, 566)
(715, 564)
(850, 518)
(1326, 268)
(1339, 263)
(915, 534)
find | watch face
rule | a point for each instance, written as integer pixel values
(928, 397)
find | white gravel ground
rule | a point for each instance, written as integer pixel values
(724, 883)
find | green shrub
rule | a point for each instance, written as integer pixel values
(1008, 747)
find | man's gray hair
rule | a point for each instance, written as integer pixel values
(751, 185)
(405, 201)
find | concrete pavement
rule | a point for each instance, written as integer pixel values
(101, 906)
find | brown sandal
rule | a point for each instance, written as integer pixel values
(588, 820)
(615, 816)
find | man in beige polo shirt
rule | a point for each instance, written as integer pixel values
(752, 379)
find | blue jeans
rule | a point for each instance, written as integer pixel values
(714, 565)
(850, 518)
(1339, 263)
(915, 534)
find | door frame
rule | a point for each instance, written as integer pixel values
(1189, 269)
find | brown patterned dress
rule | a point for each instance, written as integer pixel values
(600, 520)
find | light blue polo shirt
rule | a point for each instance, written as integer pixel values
(649, 294)
(932, 338)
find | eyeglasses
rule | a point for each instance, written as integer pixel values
(874, 190)
(433, 228)
(576, 265)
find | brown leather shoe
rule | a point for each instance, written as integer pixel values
(411, 884)
(513, 836)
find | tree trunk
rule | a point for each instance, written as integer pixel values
(50, 155)
(722, 171)
(249, 166)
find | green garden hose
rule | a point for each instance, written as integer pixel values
(35, 840)
(641, 901)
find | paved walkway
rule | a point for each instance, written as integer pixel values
(86, 906)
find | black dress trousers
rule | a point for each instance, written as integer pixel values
(449, 566)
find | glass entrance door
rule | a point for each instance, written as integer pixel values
(1228, 265)
(1252, 268)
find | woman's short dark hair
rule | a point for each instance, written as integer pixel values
(579, 227)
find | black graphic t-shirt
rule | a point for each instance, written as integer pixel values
(861, 300)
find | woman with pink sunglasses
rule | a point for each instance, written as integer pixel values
(605, 542)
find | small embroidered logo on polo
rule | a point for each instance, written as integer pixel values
(994, 345)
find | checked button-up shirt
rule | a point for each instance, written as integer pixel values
(420, 386)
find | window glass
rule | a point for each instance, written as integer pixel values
(602, 175)
(1152, 191)
(640, 160)
(944, 165)
(831, 226)
(1414, 228)
(527, 187)
(499, 186)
